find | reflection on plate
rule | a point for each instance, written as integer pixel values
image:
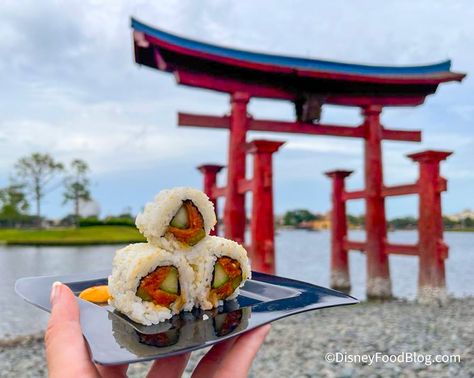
(181, 331)
(114, 339)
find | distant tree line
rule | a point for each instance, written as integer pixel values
(33, 178)
(357, 221)
(450, 224)
(299, 216)
(119, 220)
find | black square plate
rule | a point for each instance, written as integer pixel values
(115, 339)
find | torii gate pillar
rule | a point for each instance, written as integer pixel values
(432, 249)
(210, 172)
(378, 274)
(340, 279)
(234, 209)
(262, 228)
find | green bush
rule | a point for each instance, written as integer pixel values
(110, 221)
(90, 221)
(119, 221)
(18, 221)
(295, 217)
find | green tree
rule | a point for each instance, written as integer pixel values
(356, 220)
(468, 222)
(404, 223)
(13, 202)
(448, 223)
(295, 217)
(77, 186)
(37, 174)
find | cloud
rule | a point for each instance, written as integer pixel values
(70, 87)
(325, 147)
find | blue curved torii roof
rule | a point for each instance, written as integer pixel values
(229, 70)
(291, 62)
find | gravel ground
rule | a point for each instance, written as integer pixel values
(296, 346)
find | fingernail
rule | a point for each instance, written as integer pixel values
(55, 292)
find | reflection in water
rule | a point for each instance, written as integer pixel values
(181, 331)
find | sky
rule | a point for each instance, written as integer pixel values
(70, 87)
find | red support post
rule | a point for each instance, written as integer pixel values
(262, 251)
(210, 172)
(340, 278)
(234, 209)
(432, 249)
(378, 273)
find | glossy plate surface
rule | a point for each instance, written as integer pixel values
(115, 339)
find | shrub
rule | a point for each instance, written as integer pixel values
(109, 221)
(119, 221)
(90, 221)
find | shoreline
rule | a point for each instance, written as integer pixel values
(82, 236)
(87, 236)
(294, 228)
(59, 243)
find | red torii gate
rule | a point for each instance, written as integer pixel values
(431, 249)
(308, 84)
(262, 232)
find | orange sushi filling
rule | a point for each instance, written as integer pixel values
(149, 288)
(195, 231)
(234, 272)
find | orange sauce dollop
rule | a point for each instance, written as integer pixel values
(96, 294)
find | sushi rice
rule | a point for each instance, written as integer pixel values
(155, 219)
(203, 258)
(134, 262)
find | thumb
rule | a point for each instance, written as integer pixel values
(66, 351)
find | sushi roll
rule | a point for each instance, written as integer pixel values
(149, 285)
(177, 219)
(221, 267)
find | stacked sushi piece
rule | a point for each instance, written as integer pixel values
(180, 266)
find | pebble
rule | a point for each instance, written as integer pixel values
(296, 346)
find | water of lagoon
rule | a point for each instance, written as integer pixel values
(302, 255)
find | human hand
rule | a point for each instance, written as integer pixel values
(67, 353)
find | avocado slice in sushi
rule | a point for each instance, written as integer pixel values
(220, 276)
(227, 277)
(197, 237)
(143, 294)
(171, 284)
(236, 282)
(187, 225)
(160, 286)
(180, 220)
